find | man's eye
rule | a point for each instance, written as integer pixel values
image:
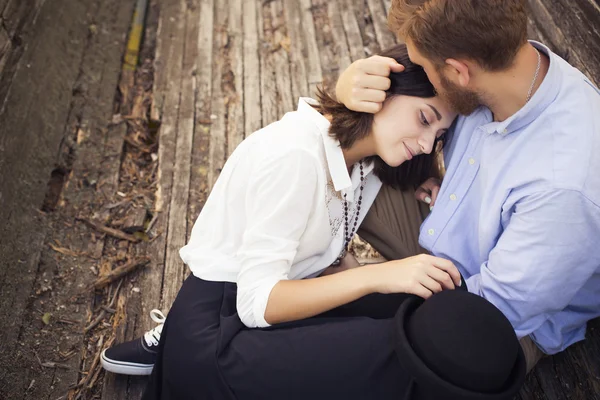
(423, 119)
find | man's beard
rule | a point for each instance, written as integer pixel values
(463, 101)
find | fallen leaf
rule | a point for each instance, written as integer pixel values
(46, 318)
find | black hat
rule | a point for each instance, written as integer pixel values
(457, 345)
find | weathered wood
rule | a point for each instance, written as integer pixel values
(252, 101)
(199, 171)
(134, 222)
(313, 70)
(387, 4)
(177, 228)
(5, 46)
(340, 40)
(280, 47)
(119, 272)
(109, 231)
(18, 14)
(268, 91)
(218, 129)
(162, 60)
(366, 28)
(378, 14)
(298, 53)
(546, 30)
(233, 77)
(352, 29)
(578, 21)
(331, 41)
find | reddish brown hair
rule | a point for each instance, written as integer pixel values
(489, 32)
(348, 126)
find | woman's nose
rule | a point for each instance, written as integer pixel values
(426, 142)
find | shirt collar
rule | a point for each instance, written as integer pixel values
(333, 152)
(541, 99)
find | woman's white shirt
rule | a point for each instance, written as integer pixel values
(276, 211)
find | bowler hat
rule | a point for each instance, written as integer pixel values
(457, 345)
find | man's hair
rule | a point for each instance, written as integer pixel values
(348, 126)
(489, 32)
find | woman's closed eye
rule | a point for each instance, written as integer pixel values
(424, 120)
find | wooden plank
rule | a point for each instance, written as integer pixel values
(577, 20)
(5, 45)
(162, 63)
(183, 123)
(19, 14)
(313, 70)
(366, 28)
(331, 40)
(352, 29)
(199, 172)
(298, 53)
(545, 29)
(218, 130)
(387, 4)
(252, 105)
(233, 85)
(384, 36)
(284, 76)
(268, 88)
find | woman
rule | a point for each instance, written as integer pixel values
(285, 208)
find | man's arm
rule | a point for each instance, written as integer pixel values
(547, 252)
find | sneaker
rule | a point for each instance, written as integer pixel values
(138, 356)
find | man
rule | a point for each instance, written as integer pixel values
(518, 211)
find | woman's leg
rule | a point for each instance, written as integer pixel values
(392, 223)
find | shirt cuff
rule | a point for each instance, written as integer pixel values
(474, 284)
(261, 298)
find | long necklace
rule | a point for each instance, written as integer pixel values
(537, 71)
(348, 235)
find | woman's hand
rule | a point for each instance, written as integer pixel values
(428, 191)
(362, 86)
(422, 275)
(348, 262)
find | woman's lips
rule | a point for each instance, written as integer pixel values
(409, 153)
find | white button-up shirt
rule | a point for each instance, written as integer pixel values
(277, 212)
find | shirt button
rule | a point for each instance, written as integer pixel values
(505, 131)
(453, 197)
(471, 161)
(431, 232)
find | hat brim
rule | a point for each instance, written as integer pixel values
(423, 375)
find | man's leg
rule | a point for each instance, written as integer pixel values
(392, 224)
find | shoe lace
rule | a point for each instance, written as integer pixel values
(152, 337)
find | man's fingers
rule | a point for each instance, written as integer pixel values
(370, 95)
(379, 83)
(368, 107)
(378, 65)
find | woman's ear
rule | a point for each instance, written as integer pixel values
(458, 72)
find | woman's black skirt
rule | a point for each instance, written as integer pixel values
(206, 352)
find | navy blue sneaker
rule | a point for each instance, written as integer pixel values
(136, 357)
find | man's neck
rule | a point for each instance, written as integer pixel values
(506, 92)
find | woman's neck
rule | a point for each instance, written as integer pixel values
(360, 149)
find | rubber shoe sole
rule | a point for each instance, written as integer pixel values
(125, 368)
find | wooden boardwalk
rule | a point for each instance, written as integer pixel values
(225, 68)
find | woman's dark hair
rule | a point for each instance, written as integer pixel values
(348, 126)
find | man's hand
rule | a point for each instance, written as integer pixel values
(362, 86)
(428, 191)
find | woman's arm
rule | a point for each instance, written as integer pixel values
(422, 275)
